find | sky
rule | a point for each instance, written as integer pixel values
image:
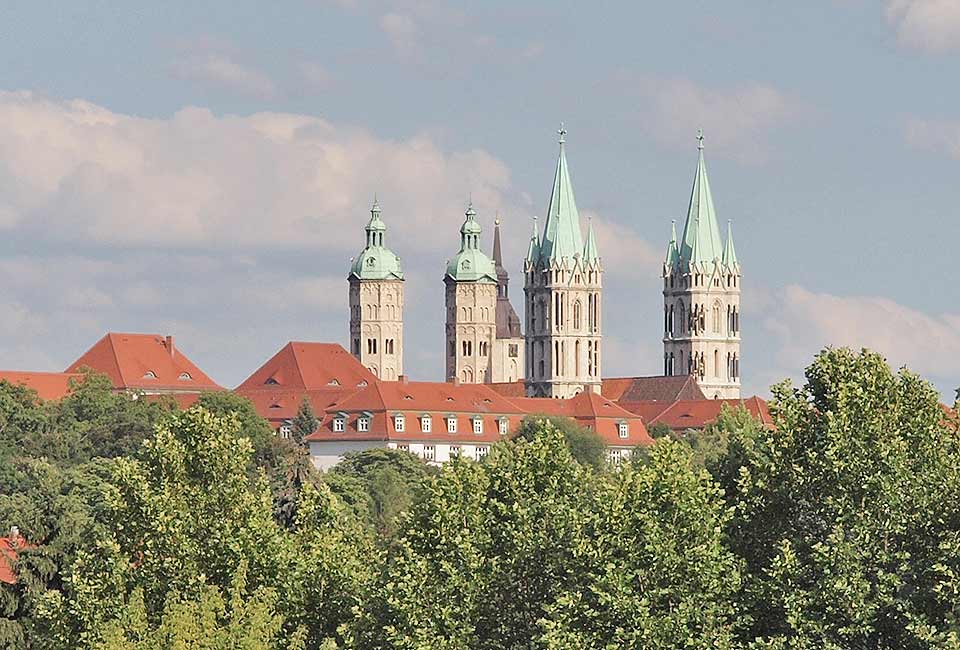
(206, 169)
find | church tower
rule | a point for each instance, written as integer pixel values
(562, 283)
(376, 303)
(701, 297)
(471, 299)
(508, 347)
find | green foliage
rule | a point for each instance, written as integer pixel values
(659, 430)
(848, 515)
(249, 423)
(305, 422)
(585, 445)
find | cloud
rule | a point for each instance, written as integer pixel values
(736, 121)
(75, 171)
(934, 135)
(221, 70)
(401, 30)
(802, 322)
(624, 253)
(930, 25)
(315, 75)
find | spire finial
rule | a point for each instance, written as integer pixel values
(562, 132)
(496, 220)
(700, 139)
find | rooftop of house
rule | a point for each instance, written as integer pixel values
(47, 385)
(148, 362)
(9, 549)
(659, 388)
(309, 366)
(695, 414)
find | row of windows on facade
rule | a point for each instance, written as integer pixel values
(466, 349)
(695, 321)
(559, 360)
(539, 315)
(183, 376)
(700, 280)
(429, 452)
(696, 364)
(373, 346)
(426, 424)
(466, 314)
(372, 311)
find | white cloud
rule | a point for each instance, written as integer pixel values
(930, 25)
(222, 70)
(315, 74)
(624, 253)
(736, 121)
(402, 31)
(802, 322)
(934, 135)
(72, 170)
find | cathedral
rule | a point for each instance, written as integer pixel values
(560, 353)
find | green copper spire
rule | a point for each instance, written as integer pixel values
(471, 264)
(533, 250)
(590, 252)
(701, 235)
(673, 255)
(729, 252)
(561, 233)
(376, 261)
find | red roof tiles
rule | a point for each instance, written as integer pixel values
(147, 362)
(659, 388)
(309, 366)
(9, 548)
(48, 385)
(696, 414)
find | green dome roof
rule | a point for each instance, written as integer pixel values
(376, 261)
(471, 264)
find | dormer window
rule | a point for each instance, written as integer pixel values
(149, 375)
(333, 382)
(451, 424)
(339, 424)
(622, 429)
(426, 423)
(399, 422)
(503, 425)
(363, 423)
(271, 382)
(478, 425)
(185, 376)
(362, 383)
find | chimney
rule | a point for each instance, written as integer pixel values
(169, 344)
(403, 379)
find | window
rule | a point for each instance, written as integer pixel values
(149, 375)
(371, 346)
(623, 430)
(454, 450)
(503, 425)
(451, 424)
(576, 315)
(478, 425)
(403, 447)
(356, 346)
(388, 346)
(363, 423)
(339, 424)
(398, 423)
(615, 456)
(286, 430)
(425, 423)
(482, 451)
(513, 351)
(185, 376)
(483, 348)
(429, 453)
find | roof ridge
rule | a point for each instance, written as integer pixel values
(115, 359)
(296, 362)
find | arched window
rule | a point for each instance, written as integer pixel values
(576, 349)
(716, 363)
(683, 318)
(576, 315)
(716, 318)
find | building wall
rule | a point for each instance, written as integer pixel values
(376, 326)
(564, 323)
(327, 453)
(470, 331)
(437, 453)
(508, 360)
(709, 346)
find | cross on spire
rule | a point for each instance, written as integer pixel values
(562, 132)
(700, 139)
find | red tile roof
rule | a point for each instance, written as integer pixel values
(696, 414)
(9, 547)
(48, 385)
(148, 362)
(510, 388)
(278, 404)
(660, 388)
(309, 366)
(381, 401)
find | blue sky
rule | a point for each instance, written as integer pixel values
(206, 169)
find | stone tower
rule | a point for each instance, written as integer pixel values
(376, 304)
(562, 283)
(508, 346)
(701, 297)
(471, 299)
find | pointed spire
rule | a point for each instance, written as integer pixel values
(701, 235)
(590, 251)
(533, 250)
(673, 255)
(497, 253)
(561, 233)
(729, 252)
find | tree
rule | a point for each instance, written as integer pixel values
(847, 515)
(659, 430)
(586, 446)
(305, 422)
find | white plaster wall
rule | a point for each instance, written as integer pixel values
(327, 453)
